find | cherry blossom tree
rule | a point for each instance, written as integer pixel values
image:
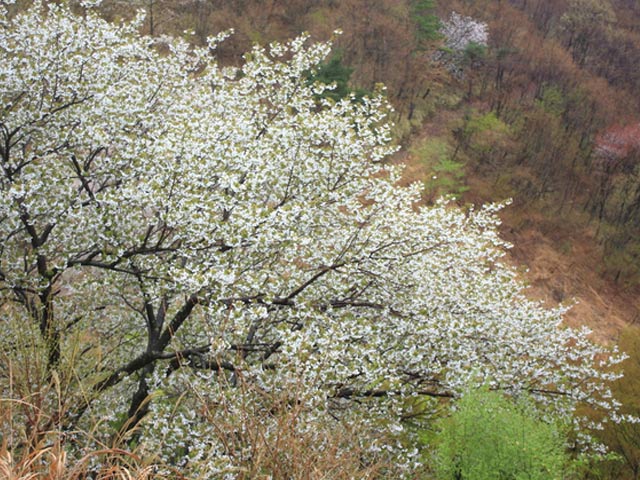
(460, 31)
(176, 234)
(465, 41)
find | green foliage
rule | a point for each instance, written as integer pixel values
(483, 136)
(490, 437)
(474, 53)
(446, 176)
(334, 72)
(320, 16)
(428, 25)
(448, 179)
(431, 150)
(552, 100)
(484, 123)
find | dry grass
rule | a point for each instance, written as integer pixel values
(33, 442)
(564, 266)
(288, 453)
(272, 438)
(52, 463)
(301, 454)
(29, 450)
(281, 436)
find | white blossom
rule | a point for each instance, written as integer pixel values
(460, 34)
(196, 228)
(460, 31)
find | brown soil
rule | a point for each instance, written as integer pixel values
(564, 267)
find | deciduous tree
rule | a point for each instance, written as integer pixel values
(196, 233)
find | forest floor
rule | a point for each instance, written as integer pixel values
(562, 266)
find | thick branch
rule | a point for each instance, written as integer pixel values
(176, 322)
(118, 375)
(348, 393)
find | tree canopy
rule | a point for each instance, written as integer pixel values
(168, 226)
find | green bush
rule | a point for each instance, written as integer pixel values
(334, 72)
(480, 124)
(445, 175)
(490, 437)
(428, 25)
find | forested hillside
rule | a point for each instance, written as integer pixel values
(546, 114)
(213, 266)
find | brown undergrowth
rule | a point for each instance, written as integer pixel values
(271, 441)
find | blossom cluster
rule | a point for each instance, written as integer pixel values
(460, 31)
